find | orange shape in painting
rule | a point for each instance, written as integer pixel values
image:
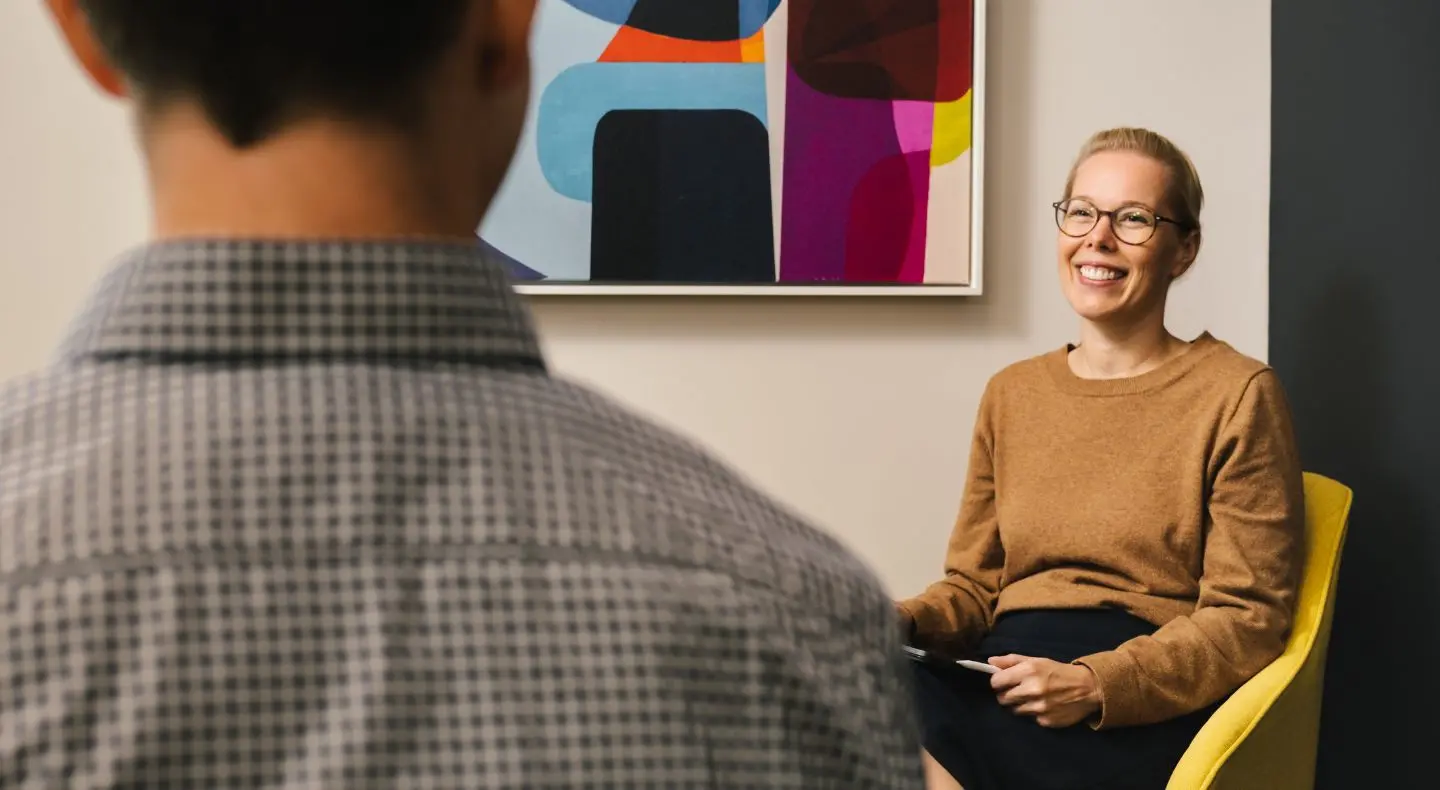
(633, 45)
(752, 49)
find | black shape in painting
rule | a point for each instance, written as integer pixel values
(682, 196)
(696, 20)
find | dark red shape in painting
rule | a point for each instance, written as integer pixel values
(915, 50)
(886, 228)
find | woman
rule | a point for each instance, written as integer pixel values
(1129, 541)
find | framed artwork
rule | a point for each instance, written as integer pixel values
(757, 147)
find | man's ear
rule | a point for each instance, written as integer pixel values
(75, 26)
(503, 27)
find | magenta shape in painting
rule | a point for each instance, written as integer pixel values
(914, 125)
(885, 236)
(831, 144)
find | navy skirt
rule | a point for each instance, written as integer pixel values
(985, 746)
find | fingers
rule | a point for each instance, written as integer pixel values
(1008, 661)
(1021, 695)
(1044, 713)
(1025, 686)
(1006, 680)
(1014, 670)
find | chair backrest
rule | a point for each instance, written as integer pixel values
(1267, 733)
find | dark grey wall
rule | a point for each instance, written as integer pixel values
(1355, 335)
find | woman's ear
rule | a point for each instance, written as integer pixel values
(1189, 251)
(74, 25)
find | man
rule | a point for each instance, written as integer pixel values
(299, 506)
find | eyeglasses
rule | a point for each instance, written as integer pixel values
(1132, 223)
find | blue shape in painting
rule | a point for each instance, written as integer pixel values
(616, 12)
(753, 14)
(574, 103)
(525, 216)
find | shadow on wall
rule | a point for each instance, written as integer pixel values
(1381, 671)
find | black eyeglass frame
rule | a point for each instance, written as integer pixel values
(1159, 218)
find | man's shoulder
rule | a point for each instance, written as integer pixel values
(616, 473)
(31, 400)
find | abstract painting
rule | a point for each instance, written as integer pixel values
(749, 146)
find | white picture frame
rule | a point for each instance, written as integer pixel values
(973, 284)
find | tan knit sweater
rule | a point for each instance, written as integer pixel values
(1175, 495)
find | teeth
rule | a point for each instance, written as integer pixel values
(1100, 273)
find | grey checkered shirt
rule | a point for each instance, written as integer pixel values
(315, 515)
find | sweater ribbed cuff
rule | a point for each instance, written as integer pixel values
(927, 620)
(1119, 688)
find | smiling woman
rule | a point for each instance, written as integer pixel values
(1127, 546)
(1129, 227)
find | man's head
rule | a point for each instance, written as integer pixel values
(444, 80)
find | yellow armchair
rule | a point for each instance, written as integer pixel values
(1266, 734)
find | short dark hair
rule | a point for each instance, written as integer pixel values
(256, 65)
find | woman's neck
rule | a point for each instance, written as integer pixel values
(1122, 352)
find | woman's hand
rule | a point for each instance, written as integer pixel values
(1056, 695)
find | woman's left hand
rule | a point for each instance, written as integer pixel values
(1056, 695)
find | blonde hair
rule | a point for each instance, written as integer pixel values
(1185, 195)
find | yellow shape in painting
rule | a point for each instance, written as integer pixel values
(752, 49)
(952, 130)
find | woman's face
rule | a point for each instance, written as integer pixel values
(1105, 279)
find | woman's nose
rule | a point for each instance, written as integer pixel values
(1103, 234)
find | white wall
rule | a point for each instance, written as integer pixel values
(857, 412)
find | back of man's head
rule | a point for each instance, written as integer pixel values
(276, 103)
(253, 65)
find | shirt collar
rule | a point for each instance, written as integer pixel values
(259, 300)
